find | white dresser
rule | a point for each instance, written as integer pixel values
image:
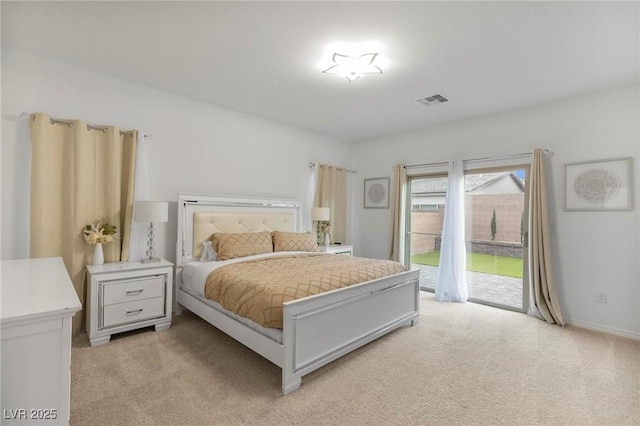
(128, 295)
(38, 301)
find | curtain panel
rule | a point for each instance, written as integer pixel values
(451, 284)
(397, 214)
(140, 230)
(544, 299)
(310, 199)
(79, 175)
(331, 191)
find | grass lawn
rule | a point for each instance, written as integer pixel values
(478, 262)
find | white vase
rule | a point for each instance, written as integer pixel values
(327, 240)
(98, 255)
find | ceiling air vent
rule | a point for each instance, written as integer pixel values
(432, 100)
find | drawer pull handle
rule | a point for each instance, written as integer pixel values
(136, 312)
(134, 292)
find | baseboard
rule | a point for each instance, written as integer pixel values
(582, 324)
(608, 330)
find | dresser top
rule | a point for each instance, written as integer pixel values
(32, 288)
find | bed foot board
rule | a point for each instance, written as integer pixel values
(322, 328)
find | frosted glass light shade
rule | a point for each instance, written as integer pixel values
(320, 213)
(151, 211)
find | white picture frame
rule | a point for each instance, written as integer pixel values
(598, 185)
(376, 193)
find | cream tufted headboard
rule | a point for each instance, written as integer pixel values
(201, 215)
(206, 223)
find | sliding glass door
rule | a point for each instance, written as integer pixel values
(495, 223)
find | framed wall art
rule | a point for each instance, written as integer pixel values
(598, 185)
(376, 193)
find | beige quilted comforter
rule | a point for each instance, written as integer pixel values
(256, 289)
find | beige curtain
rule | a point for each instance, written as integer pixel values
(397, 212)
(331, 191)
(79, 175)
(544, 299)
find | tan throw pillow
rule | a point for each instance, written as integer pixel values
(294, 241)
(215, 240)
(233, 245)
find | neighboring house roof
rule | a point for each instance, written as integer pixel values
(472, 183)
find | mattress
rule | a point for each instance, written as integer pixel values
(253, 289)
(194, 277)
(258, 288)
(195, 273)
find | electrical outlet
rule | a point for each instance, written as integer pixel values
(601, 297)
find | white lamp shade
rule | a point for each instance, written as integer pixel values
(320, 213)
(151, 211)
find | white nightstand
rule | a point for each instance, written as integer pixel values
(125, 296)
(338, 249)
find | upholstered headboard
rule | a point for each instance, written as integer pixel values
(199, 216)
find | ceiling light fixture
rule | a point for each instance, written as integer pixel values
(352, 68)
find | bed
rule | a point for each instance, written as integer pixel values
(316, 329)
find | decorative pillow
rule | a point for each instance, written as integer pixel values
(215, 239)
(294, 241)
(208, 253)
(232, 245)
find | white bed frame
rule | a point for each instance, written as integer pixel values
(317, 329)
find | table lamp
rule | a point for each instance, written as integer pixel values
(151, 211)
(322, 215)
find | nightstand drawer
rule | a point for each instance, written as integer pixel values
(133, 289)
(136, 311)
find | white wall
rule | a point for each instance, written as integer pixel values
(202, 148)
(593, 251)
(195, 147)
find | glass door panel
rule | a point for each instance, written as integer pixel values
(425, 229)
(495, 228)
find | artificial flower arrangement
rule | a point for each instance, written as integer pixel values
(100, 232)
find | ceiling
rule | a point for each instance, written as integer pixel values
(262, 58)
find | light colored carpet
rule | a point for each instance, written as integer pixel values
(462, 364)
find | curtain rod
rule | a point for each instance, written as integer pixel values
(89, 126)
(313, 166)
(472, 160)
